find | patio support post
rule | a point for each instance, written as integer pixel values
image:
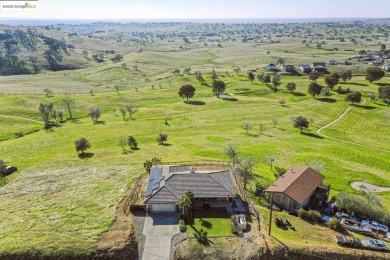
(270, 215)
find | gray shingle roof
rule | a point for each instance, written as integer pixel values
(203, 185)
(164, 196)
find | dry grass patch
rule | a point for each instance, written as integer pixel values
(61, 211)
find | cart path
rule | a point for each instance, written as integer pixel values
(344, 141)
(22, 118)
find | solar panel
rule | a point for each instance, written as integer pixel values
(149, 189)
(152, 173)
(156, 186)
(158, 173)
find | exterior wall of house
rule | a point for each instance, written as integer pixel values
(213, 202)
(282, 201)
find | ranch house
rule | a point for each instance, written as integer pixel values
(212, 189)
(295, 188)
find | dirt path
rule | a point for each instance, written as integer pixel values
(22, 118)
(368, 187)
(344, 141)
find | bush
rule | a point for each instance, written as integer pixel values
(363, 207)
(201, 236)
(310, 215)
(182, 225)
(335, 225)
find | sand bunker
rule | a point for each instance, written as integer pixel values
(365, 186)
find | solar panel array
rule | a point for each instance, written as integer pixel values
(154, 180)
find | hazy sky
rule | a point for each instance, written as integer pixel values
(179, 9)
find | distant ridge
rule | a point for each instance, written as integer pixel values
(36, 22)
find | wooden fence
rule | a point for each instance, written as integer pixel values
(134, 193)
(198, 162)
(251, 208)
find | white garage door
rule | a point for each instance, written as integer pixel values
(164, 207)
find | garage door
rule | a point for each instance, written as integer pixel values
(163, 207)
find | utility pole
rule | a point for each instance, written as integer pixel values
(270, 215)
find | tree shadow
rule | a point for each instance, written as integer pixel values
(49, 129)
(363, 106)
(382, 84)
(328, 100)
(195, 103)
(206, 223)
(229, 99)
(135, 148)
(312, 135)
(166, 144)
(86, 155)
(100, 123)
(299, 94)
(253, 135)
(354, 83)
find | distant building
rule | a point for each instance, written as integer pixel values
(296, 188)
(287, 68)
(305, 68)
(271, 66)
(318, 66)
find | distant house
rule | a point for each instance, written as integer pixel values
(295, 188)
(305, 68)
(386, 67)
(318, 66)
(287, 68)
(212, 189)
(271, 66)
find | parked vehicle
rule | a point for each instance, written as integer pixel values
(347, 241)
(375, 226)
(375, 244)
(356, 226)
(241, 221)
(341, 215)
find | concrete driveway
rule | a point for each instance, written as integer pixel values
(159, 230)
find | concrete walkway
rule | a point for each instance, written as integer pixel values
(159, 229)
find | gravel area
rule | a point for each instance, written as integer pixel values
(176, 240)
(139, 220)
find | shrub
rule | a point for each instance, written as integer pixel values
(3, 181)
(182, 225)
(335, 225)
(361, 206)
(310, 215)
(19, 134)
(201, 236)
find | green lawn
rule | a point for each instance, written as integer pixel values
(300, 231)
(217, 224)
